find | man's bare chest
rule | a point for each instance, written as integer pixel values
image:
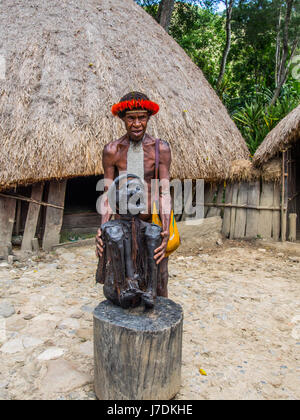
(121, 161)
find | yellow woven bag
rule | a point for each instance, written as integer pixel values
(174, 238)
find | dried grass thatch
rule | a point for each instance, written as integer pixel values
(68, 61)
(286, 132)
(271, 171)
(243, 170)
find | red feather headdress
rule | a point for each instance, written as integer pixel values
(135, 104)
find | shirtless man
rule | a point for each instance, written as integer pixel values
(135, 110)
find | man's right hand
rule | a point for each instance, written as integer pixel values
(99, 244)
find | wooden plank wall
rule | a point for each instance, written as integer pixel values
(253, 211)
(32, 217)
(7, 219)
(54, 216)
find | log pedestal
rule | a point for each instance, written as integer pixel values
(137, 352)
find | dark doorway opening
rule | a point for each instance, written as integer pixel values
(294, 183)
(81, 216)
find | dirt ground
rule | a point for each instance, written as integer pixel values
(241, 303)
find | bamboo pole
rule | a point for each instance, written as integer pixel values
(30, 200)
(243, 206)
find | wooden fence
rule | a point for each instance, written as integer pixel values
(249, 209)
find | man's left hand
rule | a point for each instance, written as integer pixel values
(160, 252)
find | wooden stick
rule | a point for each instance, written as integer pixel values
(243, 206)
(30, 200)
(293, 196)
(18, 218)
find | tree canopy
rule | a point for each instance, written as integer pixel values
(249, 50)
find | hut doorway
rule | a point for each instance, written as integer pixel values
(294, 183)
(80, 215)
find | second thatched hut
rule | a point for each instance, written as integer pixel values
(263, 197)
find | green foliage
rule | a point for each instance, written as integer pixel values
(256, 118)
(201, 33)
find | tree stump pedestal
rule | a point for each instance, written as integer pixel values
(138, 352)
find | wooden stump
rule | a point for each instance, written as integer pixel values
(138, 353)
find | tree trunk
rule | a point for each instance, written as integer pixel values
(164, 14)
(138, 353)
(228, 40)
(282, 70)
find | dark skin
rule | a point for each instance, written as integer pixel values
(115, 160)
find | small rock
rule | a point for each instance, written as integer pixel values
(219, 242)
(87, 308)
(3, 395)
(276, 382)
(62, 376)
(6, 309)
(12, 346)
(10, 259)
(52, 266)
(68, 256)
(51, 353)
(4, 264)
(4, 384)
(14, 324)
(86, 348)
(76, 315)
(261, 250)
(69, 323)
(294, 259)
(85, 333)
(28, 317)
(31, 342)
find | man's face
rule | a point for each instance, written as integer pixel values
(136, 124)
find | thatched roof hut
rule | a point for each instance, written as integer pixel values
(279, 158)
(286, 133)
(67, 62)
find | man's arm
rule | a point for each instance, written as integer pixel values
(164, 198)
(109, 172)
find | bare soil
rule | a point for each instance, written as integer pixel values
(241, 340)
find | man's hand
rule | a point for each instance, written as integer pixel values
(160, 252)
(99, 244)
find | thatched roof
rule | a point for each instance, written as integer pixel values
(286, 132)
(243, 170)
(68, 61)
